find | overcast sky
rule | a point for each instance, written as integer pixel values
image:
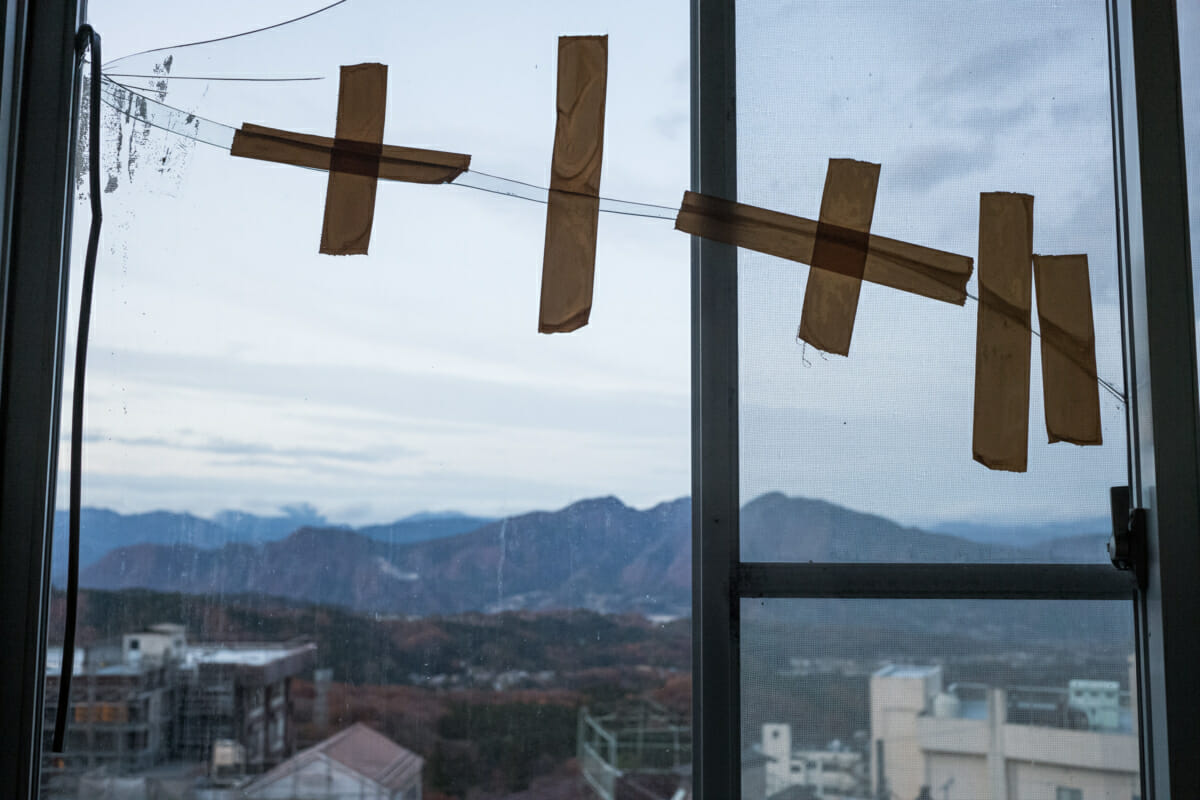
(232, 366)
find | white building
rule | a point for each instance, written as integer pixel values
(974, 742)
(831, 773)
(356, 762)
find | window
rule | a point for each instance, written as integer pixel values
(732, 585)
(1066, 793)
(794, 570)
(480, 660)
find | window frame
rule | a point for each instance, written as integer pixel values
(38, 103)
(38, 89)
(1153, 225)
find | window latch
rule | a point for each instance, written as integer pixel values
(1127, 545)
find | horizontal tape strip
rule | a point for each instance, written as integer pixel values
(408, 164)
(923, 271)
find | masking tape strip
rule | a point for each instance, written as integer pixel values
(840, 254)
(409, 164)
(356, 158)
(573, 211)
(1069, 381)
(1000, 438)
(350, 196)
(911, 268)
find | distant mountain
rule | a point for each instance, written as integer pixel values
(1025, 535)
(1087, 549)
(779, 528)
(597, 554)
(245, 527)
(102, 531)
(424, 527)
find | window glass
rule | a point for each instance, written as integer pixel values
(956, 700)
(869, 457)
(358, 503)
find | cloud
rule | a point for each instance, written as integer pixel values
(254, 452)
(924, 167)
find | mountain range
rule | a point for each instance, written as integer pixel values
(598, 554)
(102, 531)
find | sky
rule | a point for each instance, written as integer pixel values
(232, 366)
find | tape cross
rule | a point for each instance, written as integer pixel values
(355, 159)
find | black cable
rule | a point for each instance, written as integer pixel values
(86, 38)
(211, 77)
(230, 36)
(1108, 386)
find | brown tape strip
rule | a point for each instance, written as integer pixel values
(911, 268)
(408, 164)
(1070, 384)
(356, 158)
(840, 253)
(350, 196)
(1001, 428)
(572, 215)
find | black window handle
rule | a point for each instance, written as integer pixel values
(1127, 545)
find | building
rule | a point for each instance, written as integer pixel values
(835, 772)
(122, 713)
(355, 762)
(978, 742)
(149, 697)
(638, 751)
(239, 693)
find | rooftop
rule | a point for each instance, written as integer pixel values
(906, 671)
(359, 748)
(258, 655)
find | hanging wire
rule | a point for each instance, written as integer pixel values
(166, 77)
(1107, 385)
(86, 38)
(177, 121)
(217, 134)
(230, 36)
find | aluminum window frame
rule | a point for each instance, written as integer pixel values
(38, 103)
(1153, 230)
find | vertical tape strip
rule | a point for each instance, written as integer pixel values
(840, 255)
(354, 162)
(572, 215)
(1072, 391)
(1001, 434)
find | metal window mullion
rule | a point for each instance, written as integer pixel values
(715, 506)
(1164, 403)
(934, 581)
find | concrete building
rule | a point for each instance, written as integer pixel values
(832, 773)
(149, 697)
(122, 713)
(356, 762)
(239, 693)
(977, 742)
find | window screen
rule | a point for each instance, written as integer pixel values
(869, 457)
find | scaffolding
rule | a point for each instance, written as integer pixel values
(622, 752)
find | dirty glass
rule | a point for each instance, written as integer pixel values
(350, 524)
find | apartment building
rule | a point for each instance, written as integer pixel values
(979, 742)
(150, 697)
